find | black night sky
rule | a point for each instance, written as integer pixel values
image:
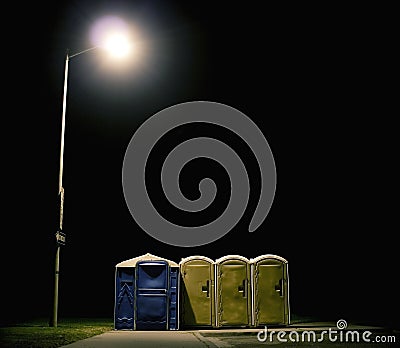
(310, 77)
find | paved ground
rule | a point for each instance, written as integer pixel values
(311, 334)
(144, 339)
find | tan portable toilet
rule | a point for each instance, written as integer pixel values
(233, 295)
(197, 291)
(270, 290)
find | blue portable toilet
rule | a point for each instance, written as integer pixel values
(146, 294)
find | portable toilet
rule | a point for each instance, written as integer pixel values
(270, 290)
(146, 294)
(197, 291)
(233, 295)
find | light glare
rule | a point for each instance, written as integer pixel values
(118, 45)
(113, 34)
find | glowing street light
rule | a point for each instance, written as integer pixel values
(118, 45)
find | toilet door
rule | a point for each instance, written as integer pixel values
(233, 303)
(197, 293)
(270, 293)
(151, 297)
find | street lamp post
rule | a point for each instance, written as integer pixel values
(118, 46)
(60, 236)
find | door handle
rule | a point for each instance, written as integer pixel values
(206, 288)
(279, 287)
(242, 288)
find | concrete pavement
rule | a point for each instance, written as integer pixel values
(145, 339)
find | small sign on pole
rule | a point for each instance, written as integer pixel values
(60, 237)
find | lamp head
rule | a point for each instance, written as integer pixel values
(112, 34)
(117, 44)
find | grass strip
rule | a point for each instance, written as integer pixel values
(38, 334)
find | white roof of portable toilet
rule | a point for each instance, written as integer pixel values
(195, 257)
(145, 257)
(231, 257)
(268, 256)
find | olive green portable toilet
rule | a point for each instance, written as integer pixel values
(233, 295)
(270, 290)
(197, 291)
